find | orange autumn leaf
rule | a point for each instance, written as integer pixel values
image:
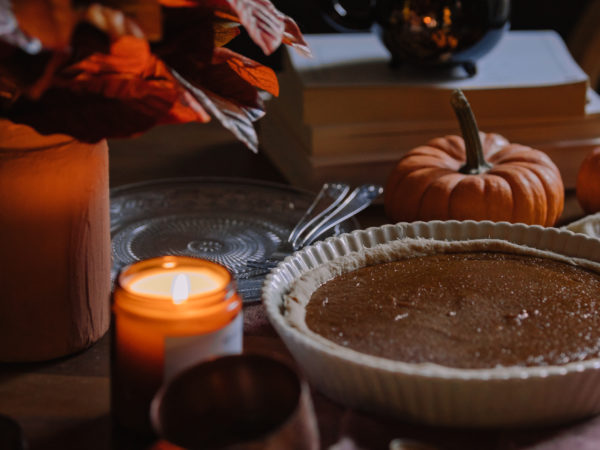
(94, 105)
(186, 109)
(130, 71)
(256, 74)
(224, 32)
(147, 14)
(267, 26)
(50, 21)
(238, 119)
(128, 55)
(113, 22)
(292, 36)
(221, 80)
(178, 3)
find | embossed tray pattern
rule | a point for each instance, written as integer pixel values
(226, 220)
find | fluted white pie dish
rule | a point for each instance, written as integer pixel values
(430, 393)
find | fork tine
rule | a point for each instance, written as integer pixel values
(323, 218)
(337, 191)
(356, 201)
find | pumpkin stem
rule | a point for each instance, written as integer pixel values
(476, 163)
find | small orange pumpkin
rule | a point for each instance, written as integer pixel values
(587, 186)
(480, 177)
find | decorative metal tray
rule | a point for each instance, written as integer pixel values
(226, 220)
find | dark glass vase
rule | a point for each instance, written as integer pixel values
(428, 32)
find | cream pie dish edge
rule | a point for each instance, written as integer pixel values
(430, 393)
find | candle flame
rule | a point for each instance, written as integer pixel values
(180, 289)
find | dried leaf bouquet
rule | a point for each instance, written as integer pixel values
(115, 68)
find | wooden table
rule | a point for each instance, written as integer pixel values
(64, 404)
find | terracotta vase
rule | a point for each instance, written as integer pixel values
(54, 244)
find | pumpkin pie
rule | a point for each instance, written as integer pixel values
(471, 304)
(522, 381)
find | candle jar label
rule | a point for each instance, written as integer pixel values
(184, 351)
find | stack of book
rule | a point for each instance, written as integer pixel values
(346, 115)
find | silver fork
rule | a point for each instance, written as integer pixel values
(332, 193)
(341, 207)
(310, 227)
(356, 201)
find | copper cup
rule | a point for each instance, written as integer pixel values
(244, 401)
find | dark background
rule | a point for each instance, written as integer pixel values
(525, 14)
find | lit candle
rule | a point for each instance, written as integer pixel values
(169, 313)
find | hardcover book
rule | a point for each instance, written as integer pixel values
(349, 80)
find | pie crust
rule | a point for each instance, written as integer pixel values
(425, 392)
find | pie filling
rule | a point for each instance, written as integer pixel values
(465, 310)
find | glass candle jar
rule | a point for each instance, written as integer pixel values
(168, 313)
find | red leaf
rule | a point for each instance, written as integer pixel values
(227, 84)
(117, 94)
(293, 37)
(249, 70)
(178, 3)
(131, 73)
(41, 69)
(115, 23)
(267, 26)
(88, 117)
(237, 119)
(53, 21)
(184, 49)
(264, 23)
(91, 117)
(50, 21)
(224, 32)
(146, 14)
(128, 55)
